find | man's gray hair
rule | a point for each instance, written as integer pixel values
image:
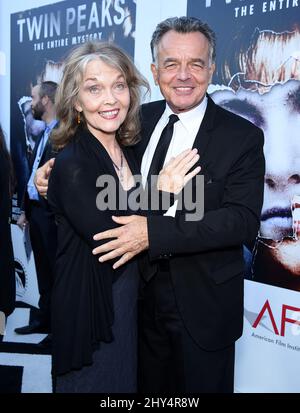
(183, 25)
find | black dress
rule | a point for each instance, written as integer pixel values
(93, 306)
(7, 273)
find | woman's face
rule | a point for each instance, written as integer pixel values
(103, 99)
(277, 112)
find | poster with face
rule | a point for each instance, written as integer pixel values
(258, 77)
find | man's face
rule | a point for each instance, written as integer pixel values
(183, 69)
(278, 114)
(37, 106)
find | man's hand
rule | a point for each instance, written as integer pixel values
(22, 221)
(130, 239)
(42, 176)
(174, 175)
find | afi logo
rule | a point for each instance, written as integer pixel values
(284, 319)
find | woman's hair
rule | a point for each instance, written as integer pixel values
(67, 93)
(4, 151)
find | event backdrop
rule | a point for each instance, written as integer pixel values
(40, 38)
(257, 76)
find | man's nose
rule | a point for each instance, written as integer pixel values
(183, 72)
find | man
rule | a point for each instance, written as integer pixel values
(42, 227)
(191, 310)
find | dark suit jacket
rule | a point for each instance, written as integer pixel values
(82, 294)
(206, 256)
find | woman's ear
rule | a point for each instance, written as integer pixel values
(78, 107)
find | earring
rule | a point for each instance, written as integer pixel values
(78, 118)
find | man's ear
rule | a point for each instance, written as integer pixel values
(154, 73)
(211, 71)
(45, 100)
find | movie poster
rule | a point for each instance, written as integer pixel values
(40, 39)
(258, 77)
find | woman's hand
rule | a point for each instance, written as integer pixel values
(42, 176)
(174, 176)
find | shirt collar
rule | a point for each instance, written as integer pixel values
(51, 125)
(191, 119)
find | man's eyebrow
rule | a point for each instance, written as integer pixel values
(175, 59)
(170, 59)
(294, 99)
(244, 108)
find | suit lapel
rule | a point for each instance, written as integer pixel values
(150, 115)
(46, 152)
(204, 139)
(49, 152)
(203, 136)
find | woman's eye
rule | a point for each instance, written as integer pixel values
(120, 86)
(94, 89)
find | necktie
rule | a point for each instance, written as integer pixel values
(148, 269)
(162, 147)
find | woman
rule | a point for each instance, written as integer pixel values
(94, 306)
(7, 273)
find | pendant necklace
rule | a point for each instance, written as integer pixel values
(120, 168)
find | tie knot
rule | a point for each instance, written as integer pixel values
(173, 119)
